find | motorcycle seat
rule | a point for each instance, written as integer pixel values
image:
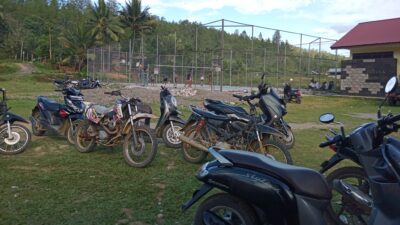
(102, 110)
(304, 181)
(210, 115)
(220, 107)
(49, 104)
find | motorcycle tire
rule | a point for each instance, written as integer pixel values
(190, 153)
(289, 141)
(72, 131)
(168, 137)
(274, 150)
(351, 213)
(145, 137)
(16, 131)
(81, 136)
(228, 208)
(35, 129)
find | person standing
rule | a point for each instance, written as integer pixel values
(201, 79)
(189, 80)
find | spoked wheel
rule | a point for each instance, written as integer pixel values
(289, 139)
(190, 153)
(272, 149)
(225, 209)
(72, 131)
(144, 151)
(170, 138)
(83, 141)
(36, 128)
(344, 210)
(16, 142)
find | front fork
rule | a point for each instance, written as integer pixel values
(9, 129)
(261, 146)
(135, 140)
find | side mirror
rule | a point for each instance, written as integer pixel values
(391, 85)
(327, 118)
(245, 91)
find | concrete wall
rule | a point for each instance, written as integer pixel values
(395, 48)
(366, 77)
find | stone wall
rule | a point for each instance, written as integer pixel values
(366, 77)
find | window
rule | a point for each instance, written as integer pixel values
(373, 55)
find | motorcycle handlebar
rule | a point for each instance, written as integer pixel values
(237, 96)
(330, 142)
(393, 119)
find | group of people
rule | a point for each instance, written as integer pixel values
(315, 85)
(189, 79)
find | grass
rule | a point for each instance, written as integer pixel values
(52, 183)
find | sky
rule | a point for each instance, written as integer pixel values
(321, 18)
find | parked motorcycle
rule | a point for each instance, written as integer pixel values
(258, 190)
(14, 137)
(290, 94)
(123, 122)
(89, 83)
(60, 118)
(65, 83)
(204, 129)
(272, 106)
(170, 123)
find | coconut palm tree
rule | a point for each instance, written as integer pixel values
(106, 27)
(136, 19)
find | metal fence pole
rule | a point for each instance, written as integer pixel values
(230, 70)
(300, 57)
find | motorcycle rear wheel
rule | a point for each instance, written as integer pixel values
(190, 153)
(227, 208)
(72, 131)
(342, 210)
(36, 127)
(287, 141)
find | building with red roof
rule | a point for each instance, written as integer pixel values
(375, 56)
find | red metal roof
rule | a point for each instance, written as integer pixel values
(371, 33)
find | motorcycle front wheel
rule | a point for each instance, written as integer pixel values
(84, 143)
(169, 138)
(17, 142)
(273, 149)
(226, 209)
(190, 153)
(344, 210)
(144, 151)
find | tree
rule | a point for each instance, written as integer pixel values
(105, 26)
(76, 42)
(243, 34)
(236, 33)
(260, 37)
(136, 19)
(276, 38)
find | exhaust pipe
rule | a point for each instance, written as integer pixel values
(195, 144)
(363, 200)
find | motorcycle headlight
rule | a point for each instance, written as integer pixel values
(174, 101)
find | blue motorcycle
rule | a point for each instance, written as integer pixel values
(59, 118)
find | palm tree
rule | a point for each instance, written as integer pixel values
(76, 42)
(136, 19)
(106, 26)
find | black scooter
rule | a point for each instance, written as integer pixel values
(272, 106)
(14, 137)
(61, 118)
(170, 122)
(258, 190)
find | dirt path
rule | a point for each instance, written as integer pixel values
(25, 68)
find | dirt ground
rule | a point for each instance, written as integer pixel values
(151, 94)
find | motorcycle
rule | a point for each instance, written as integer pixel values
(258, 190)
(65, 83)
(123, 122)
(290, 94)
(89, 83)
(60, 118)
(204, 129)
(272, 106)
(14, 137)
(170, 123)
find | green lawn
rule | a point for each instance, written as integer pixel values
(52, 183)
